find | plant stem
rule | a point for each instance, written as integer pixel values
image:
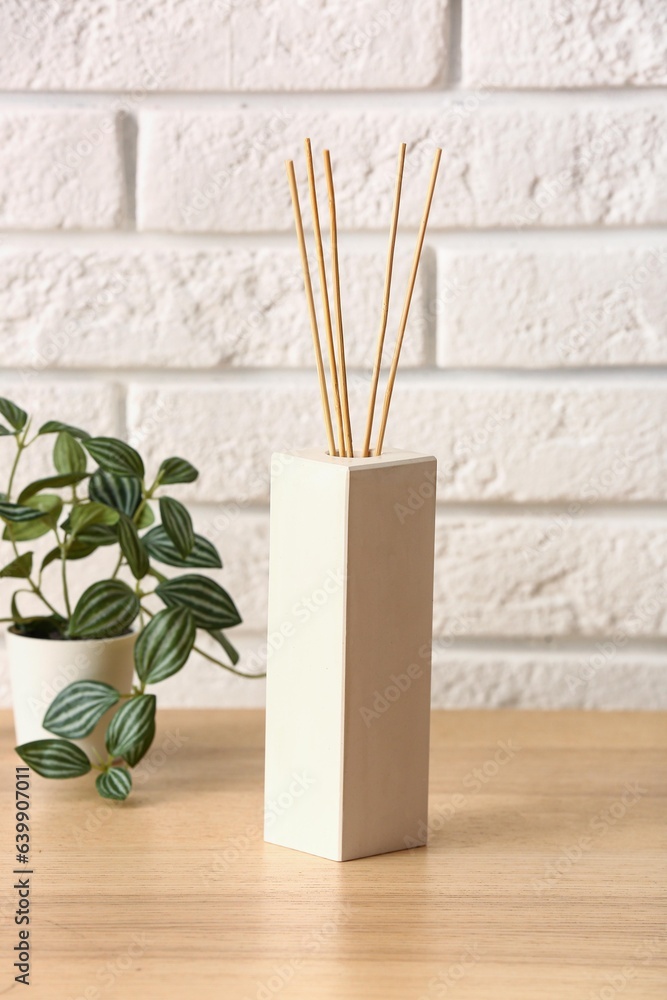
(63, 546)
(118, 565)
(148, 495)
(35, 589)
(226, 666)
(20, 446)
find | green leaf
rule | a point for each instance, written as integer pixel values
(48, 506)
(230, 650)
(6, 433)
(131, 724)
(87, 514)
(123, 493)
(51, 482)
(132, 548)
(178, 524)
(54, 758)
(176, 470)
(146, 518)
(17, 512)
(115, 456)
(13, 414)
(105, 609)
(79, 707)
(211, 606)
(116, 783)
(54, 426)
(203, 553)
(164, 645)
(68, 455)
(20, 567)
(75, 550)
(140, 749)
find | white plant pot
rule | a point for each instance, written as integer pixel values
(349, 665)
(40, 668)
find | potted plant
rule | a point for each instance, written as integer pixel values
(100, 720)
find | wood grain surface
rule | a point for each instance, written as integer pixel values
(544, 878)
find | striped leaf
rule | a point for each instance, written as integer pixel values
(131, 724)
(115, 456)
(79, 707)
(105, 609)
(132, 548)
(51, 482)
(160, 546)
(87, 514)
(229, 649)
(164, 645)
(211, 606)
(48, 507)
(55, 426)
(54, 758)
(97, 534)
(68, 455)
(13, 414)
(176, 470)
(20, 568)
(178, 524)
(17, 512)
(141, 748)
(116, 783)
(123, 493)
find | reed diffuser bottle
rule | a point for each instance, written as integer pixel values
(351, 599)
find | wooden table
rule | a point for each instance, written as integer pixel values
(545, 876)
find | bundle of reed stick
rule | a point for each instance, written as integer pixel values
(336, 352)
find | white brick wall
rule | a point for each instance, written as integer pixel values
(150, 286)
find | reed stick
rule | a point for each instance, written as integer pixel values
(342, 367)
(325, 296)
(385, 302)
(298, 222)
(406, 305)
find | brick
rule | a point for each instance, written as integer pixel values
(505, 168)
(381, 44)
(188, 309)
(512, 444)
(186, 45)
(570, 43)
(551, 576)
(588, 680)
(135, 46)
(510, 577)
(549, 309)
(61, 170)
